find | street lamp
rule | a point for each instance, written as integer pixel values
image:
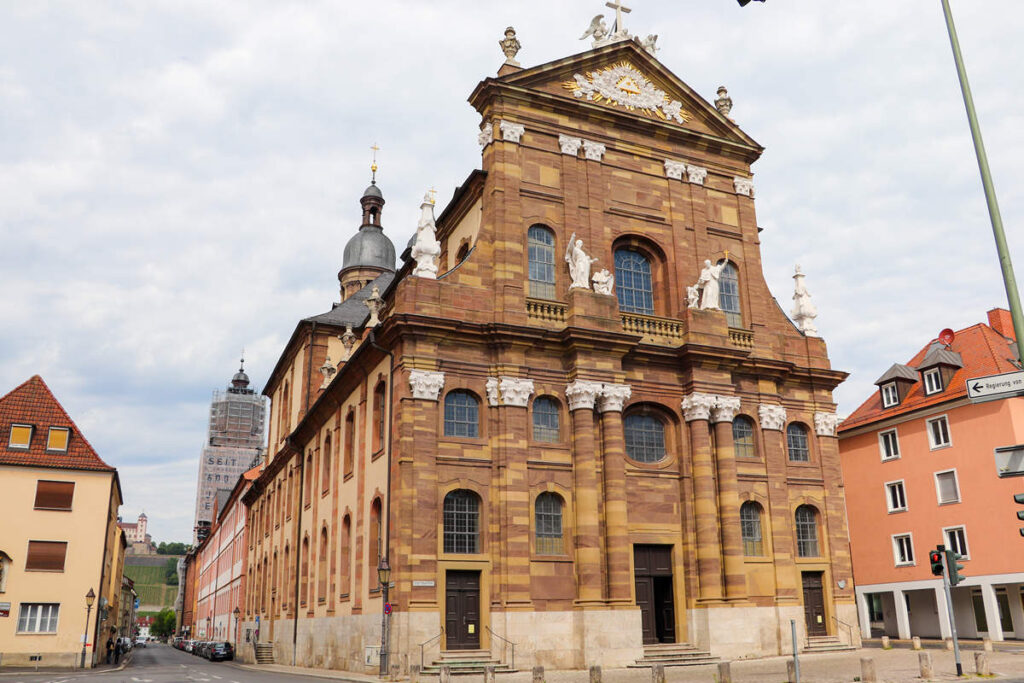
(207, 634)
(235, 632)
(384, 576)
(90, 598)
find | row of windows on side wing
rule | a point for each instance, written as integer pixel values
(903, 545)
(938, 437)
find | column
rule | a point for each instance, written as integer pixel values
(988, 597)
(697, 412)
(722, 413)
(515, 489)
(864, 613)
(943, 611)
(787, 579)
(1016, 609)
(899, 600)
(581, 397)
(610, 403)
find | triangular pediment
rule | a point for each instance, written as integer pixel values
(624, 78)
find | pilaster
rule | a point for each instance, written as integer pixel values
(722, 414)
(610, 403)
(581, 397)
(697, 412)
(773, 421)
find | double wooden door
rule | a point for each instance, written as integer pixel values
(462, 610)
(814, 604)
(652, 569)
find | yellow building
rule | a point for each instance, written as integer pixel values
(65, 546)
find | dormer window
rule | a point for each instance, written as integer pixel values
(57, 439)
(21, 437)
(890, 395)
(932, 381)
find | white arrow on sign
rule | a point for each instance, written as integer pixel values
(995, 386)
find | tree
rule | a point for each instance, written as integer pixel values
(163, 624)
(174, 548)
(171, 572)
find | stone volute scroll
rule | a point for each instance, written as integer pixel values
(825, 424)
(348, 340)
(804, 311)
(582, 394)
(744, 186)
(569, 145)
(515, 391)
(511, 132)
(604, 282)
(696, 174)
(593, 151)
(374, 302)
(426, 384)
(491, 386)
(579, 263)
(426, 249)
(725, 408)
(697, 406)
(328, 370)
(674, 169)
(773, 417)
(613, 397)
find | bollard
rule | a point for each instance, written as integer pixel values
(538, 674)
(414, 673)
(925, 660)
(986, 644)
(790, 671)
(885, 643)
(595, 674)
(981, 666)
(949, 643)
(917, 642)
(867, 670)
(488, 674)
(446, 674)
(724, 672)
(658, 673)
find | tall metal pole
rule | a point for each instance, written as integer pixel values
(949, 609)
(796, 659)
(1009, 281)
(85, 635)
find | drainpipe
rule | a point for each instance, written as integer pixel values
(298, 553)
(386, 618)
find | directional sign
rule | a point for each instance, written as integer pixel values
(995, 386)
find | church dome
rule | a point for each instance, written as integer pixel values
(370, 247)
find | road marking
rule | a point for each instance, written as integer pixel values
(216, 676)
(142, 680)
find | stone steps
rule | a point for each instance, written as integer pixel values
(826, 644)
(673, 654)
(264, 653)
(465, 662)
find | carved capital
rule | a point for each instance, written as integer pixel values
(613, 397)
(515, 391)
(593, 150)
(725, 408)
(426, 384)
(511, 132)
(744, 186)
(772, 417)
(492, 390)
(569, 145)
(698, 406)
(825, 424)
(486, 135)
(696, 174)
(582, 394)
(674, 169)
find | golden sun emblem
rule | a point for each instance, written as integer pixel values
(623, 85)
(627, 84)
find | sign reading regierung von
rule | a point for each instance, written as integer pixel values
(994, 387)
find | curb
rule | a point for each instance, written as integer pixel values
(75, 671)
(310, 673)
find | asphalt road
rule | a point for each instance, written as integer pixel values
(161, 664)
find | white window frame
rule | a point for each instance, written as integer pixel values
(956, 480)
(888, 498)
(931, 437)
(896, 443)
(945, 537)
(890, 395)
(38, 617)
(18, 446)
(910, 547)
(932, 381)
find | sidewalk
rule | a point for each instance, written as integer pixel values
(64, 672)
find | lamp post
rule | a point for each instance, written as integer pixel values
(384, 576)
(235, 632)
(90, 598)
(207, 634)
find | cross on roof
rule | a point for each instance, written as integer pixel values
(619, 9)
(373, 166)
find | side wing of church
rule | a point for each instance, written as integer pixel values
(574, 419)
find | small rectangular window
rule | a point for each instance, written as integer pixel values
(956, 540)
(46, 556)
(889, 444)
(21, 436)
(57, 439)
(896, 496)
(37, 617)
(946, 488)
(54, 495)
(890, 395)
(938, 433)
(932, 381)
(903, 549)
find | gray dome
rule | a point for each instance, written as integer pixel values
(369, 247)
(373, 191)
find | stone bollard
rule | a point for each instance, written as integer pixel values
(414, 673)
(658, 673)
(949, 643)
(790, 671)
(595, 674)
(488, 674)
(981, 666)
(916, 642)
(446, 674)
(867, 670)
(885, 643)
(925, 660)
(538, 674)
(986, 644)
(724, 672)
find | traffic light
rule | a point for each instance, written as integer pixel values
(1019, 500)
(935, 557)
(955, 576)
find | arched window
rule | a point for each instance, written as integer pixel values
(379, 410)
(548, 521)
(743, 437)
(545, 419)
(540, 243)
(796, 443)
(806, 532)
(461, 522)
(304, 579)
(729, 295)
(645, 438)
(286, 576)
(285, 415)
(321, 570)
(346, 555)
(461, 414)
(374, 553)
(633, 284)
(750, 528)
(325, 467)
(309, 478)
(350, 441)
(462, 253)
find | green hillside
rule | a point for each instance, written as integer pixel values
(151, 581)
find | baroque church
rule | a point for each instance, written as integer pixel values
(572, 419)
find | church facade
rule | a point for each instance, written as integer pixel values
(573, 419)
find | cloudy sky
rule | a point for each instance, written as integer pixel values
(178, 178)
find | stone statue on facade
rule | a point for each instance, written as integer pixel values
(426, 249)
(579, 263)
(723, 103)
(692, 297)
(708, 282)
(510, 46)
(348, 341)
(804, 312)
(328, 370)
(649, 43)
(604, 282)
(598, 29)
(374, 303)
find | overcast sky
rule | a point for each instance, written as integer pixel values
(178, 179)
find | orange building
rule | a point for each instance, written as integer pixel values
(923, 465)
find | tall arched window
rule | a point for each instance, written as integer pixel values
(645, 437)
(309, 478)
(321, 569)
(285, 415)
(461, 414)
(346, 555)
(633, 284)
(379, 411)
(375, 550)
(461, 522)
(545, 419)
(274, 580)
(350, 441)
(743, 437)
(750, 528)
(325, 467)
(286, 577)
(806, 532)
(796, 443)
(548, 521)
(729, 295)
(304, 578)
(540, 244)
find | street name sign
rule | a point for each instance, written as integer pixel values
(995, 387)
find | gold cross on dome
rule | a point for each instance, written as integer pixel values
(373, 166)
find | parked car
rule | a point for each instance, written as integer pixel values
(190, 645)
(220, 652)
(126, 643)
(140, 642)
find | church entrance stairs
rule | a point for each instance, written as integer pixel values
(673, 654)
(826, 644)
(466, 662)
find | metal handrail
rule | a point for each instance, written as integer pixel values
(849, 628)
(428, 641)
(513, 664)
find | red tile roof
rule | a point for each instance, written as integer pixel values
(984, 352)
(33, 403)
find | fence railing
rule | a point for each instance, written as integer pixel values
(428, 641)
(512, 663)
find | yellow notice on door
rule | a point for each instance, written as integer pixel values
(819, 618)
(472, 628)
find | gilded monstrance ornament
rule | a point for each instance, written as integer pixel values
(624, 85)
